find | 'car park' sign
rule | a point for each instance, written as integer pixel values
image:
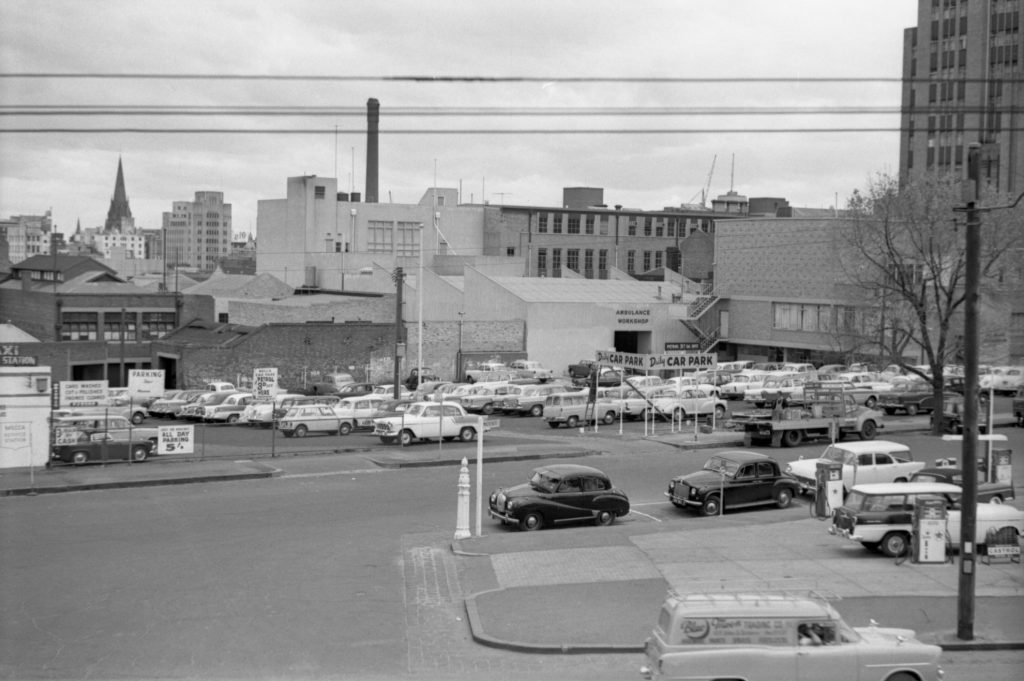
(665, 360)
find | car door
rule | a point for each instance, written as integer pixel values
(570, 501)
(744, 487)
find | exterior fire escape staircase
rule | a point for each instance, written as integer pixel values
(698, 320)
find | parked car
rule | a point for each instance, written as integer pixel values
(357, 413)
(559, 493)
(908, 396)
(952, 416)
(1004, 379)
(354, 389)
(529, 399)
(134, 413)
(790, 390)
(171, 403)
(390, 408)
(483, 398)
(880, 516)
(73, 426)
(740, 383)
(867, 461)
(429, 420)
(686, 402)
(303, 419)
(196, 410)
(260, 412)
(574, 408)
(87, 451)
(778, 637)
(229, 410)
(988, 492)
(531, 369)
(281, 408)
(733, 479)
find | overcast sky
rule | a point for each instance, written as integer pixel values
(545, 44)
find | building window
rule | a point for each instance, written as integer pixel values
(659, 227)
(572, 259)
(319, 192)
(156, 324)
(408, 238)
(657, 259)
(79, 326)
(631, 261)
(604, 225)
(510, 251)
(647, 226)
(798, 317)
(588, 263)
(631, 230)
(222, 317)
(542, 262)
(556, 262)
(647, 261)
(602, 259)
(379, 237)
(112, 326)
(559, 221)
(574, 224)
(542, 223)
(589, 228)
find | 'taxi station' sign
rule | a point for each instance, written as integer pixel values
(665, 360)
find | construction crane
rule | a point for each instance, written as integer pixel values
(707, 185)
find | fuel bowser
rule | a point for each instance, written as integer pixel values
(929, 544)
(828, 489)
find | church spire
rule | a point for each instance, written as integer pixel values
(119, 215)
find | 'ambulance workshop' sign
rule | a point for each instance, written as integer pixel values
(665, 360)
(83, 393)
(176, 440)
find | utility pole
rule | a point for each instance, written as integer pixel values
(399, 277)
(969, 456)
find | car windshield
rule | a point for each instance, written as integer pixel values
(719, 465)
(416, 409)
(836, 455)
(543, 482)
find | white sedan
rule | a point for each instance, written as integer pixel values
(683, 402)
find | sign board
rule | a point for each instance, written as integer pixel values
(633, 316)
(739, 631)
(176, 440)
(145, 383)
(665, 360)
(10, 356)
(14, 435)
(682, 346)
(83, 393)
(264, 382)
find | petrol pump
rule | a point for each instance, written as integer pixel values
(929, 544)
(828, 488)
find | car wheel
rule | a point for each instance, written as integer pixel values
(406, 437)
(900, 479)
(531, 521)
(679, 414)
(488, 409)
(345, 428)
(139, 453)
(911, 410)
(572, 422)
(868, 430)
(901, 676)
(719, 412)
(889, 411)
(301, 430)
(233, 418)
(388, 439)
(894, 544)
(792, 438)
(871, 402)
(287, 433)
(78, 458)
(467, 434)
(784, 498)
(604, 518)
(537, 410)
(997, 499)
(138, 418)
(711, 506)
(609, 418)
(553, 424)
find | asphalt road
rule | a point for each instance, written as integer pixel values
(312, 575)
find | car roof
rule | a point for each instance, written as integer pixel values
(741, 456)
(761, 606)
(863, 446)
(563, 469)
(905, 487)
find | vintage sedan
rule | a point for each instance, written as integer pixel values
(357, 412)
(909, 396)
(98, 451)
(308, 418)
(733, 479)
(559, 493)
(988, 492)
(867, 461)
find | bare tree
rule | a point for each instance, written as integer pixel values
(903, 254)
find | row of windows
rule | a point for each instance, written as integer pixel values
(84, 326)
(575, 223)
(816, 318)
(399, 238)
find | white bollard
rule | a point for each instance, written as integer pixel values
(462, 515)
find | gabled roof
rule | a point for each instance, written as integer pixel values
(241, 286)
(60, 263)
(203, 333)
(9, 333)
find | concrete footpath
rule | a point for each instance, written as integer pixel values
(590, 590)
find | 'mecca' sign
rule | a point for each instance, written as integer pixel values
(667, 360)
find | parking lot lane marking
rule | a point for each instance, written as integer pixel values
(633, 510)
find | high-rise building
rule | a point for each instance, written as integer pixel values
(962, 68)
(198, 233)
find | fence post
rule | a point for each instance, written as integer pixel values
(462, 515)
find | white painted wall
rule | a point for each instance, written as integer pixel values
(24, 413)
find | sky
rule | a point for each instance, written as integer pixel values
(509, 101)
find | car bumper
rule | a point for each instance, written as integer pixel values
(685, 501)
(845, 533)
(503, 517)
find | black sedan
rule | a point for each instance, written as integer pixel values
(95, 451)
(559, 493)
(988, 492)
(733, 479)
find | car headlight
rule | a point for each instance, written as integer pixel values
(789, 469)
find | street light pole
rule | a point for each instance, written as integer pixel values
(419, 305)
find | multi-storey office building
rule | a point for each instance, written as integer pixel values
(198, 233)
(962, 68)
